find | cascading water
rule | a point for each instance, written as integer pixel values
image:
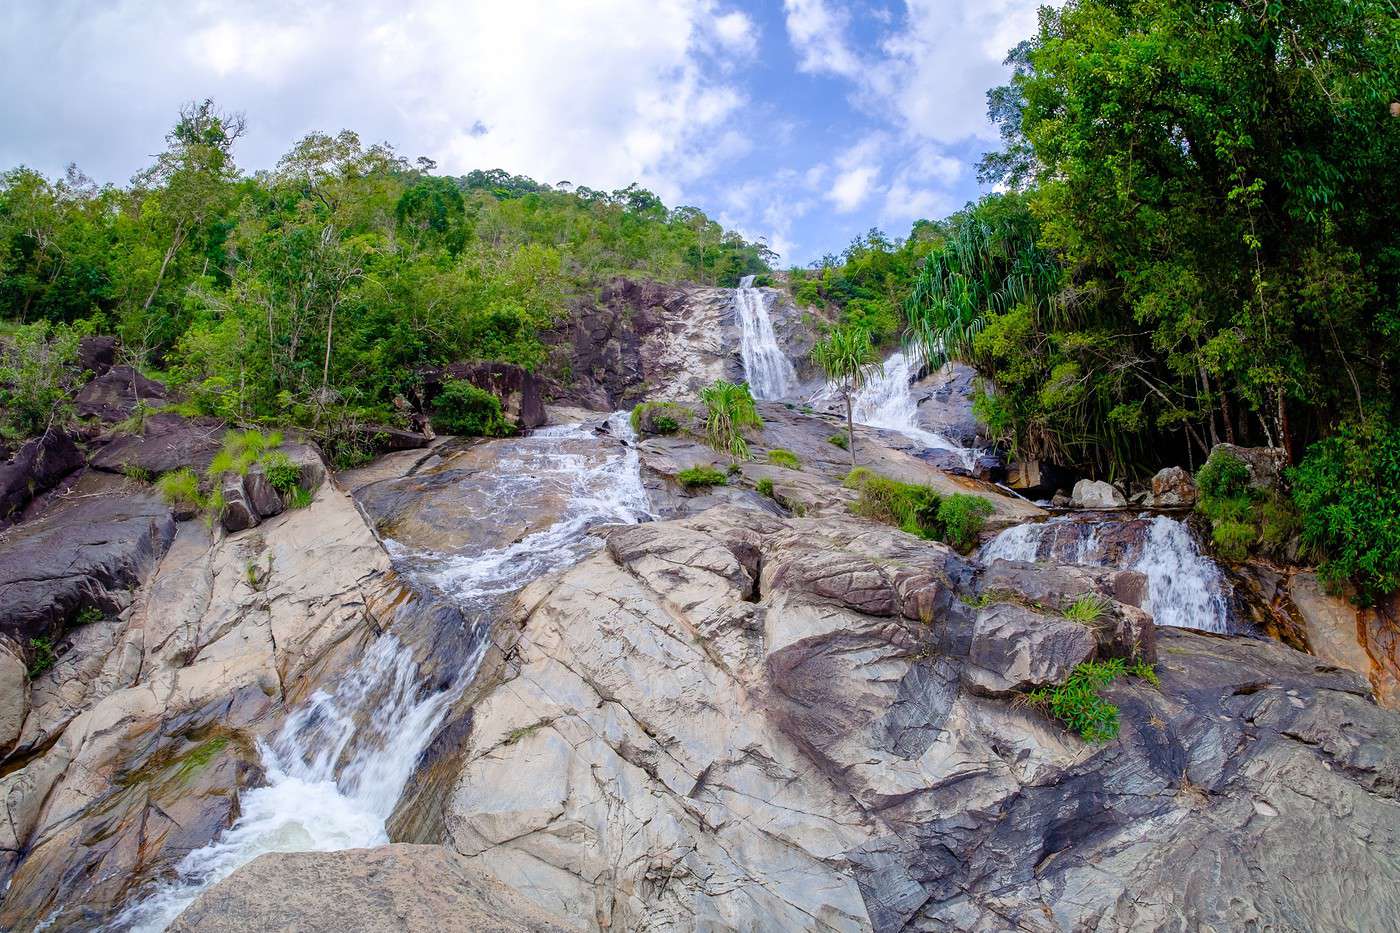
(1185, 588)
(336, 769)
(767, 369)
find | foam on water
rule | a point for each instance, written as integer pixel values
(336, 769)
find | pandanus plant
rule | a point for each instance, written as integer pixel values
(729, 410)
(848, 358)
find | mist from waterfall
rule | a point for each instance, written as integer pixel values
(338, 766)
(1185, 588)
(768, 371)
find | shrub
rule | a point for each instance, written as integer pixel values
(784, 458)
(282, 474)
(1087, 609)
(241, 450)
(180, 489)
(1242, 517)
(41, 656)
(465, 410)
(840, 440)
(764, 487)
(36, 377)
(1233, 538)
(300, 498)
(1077, 703)
(1347, 490)
(659, 417)
(1224, 476)
(729, 409)
(961, 517)
(700, 477)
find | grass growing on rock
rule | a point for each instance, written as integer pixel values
(784, 458)
(919, 510)
(701, 477)
(764, 487)
(840, 440)
(1087, 609)
(660, 417)
(180, 489)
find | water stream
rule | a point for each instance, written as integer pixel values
(1185, 588)
(336, 769)
(767, 369)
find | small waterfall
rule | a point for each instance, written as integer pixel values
(336, 769)
(767, 369)
(886, 402)
(1185, 588)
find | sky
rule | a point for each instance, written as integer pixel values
(801, 122)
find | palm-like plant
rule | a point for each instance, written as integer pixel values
(848, 358)
(729, 410)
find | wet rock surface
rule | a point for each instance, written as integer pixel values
(784, 747)
(944, 398)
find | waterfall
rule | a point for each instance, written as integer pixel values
(767, 369)
(886, 402)
(336, 769)
(1185, 588)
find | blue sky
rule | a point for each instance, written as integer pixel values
(805, 122)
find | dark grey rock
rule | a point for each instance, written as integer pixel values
(1014, 649)
(97, 353)
(264, 499)
(114, 395)
(166, 442)
(519, 390)
(239, 513)
(36, 467)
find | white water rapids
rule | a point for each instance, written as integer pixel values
(1185, 589)
(335, 771)
(767, 369)
(886, 402)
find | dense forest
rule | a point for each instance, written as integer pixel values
(316, 291)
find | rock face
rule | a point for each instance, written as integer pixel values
(520, 391)
(944, 398)
(741, 721)
(97, 353)
(1096, 494)
(115, 394)
(37, 466)
(1265, 463)
(141, 737)
(396, 887)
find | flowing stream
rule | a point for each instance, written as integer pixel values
(1185, 588)
(336, 769)
(886, 401)
(767, 369)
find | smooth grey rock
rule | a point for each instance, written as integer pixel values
(239, 513)
(1014, 650)
(113, 395)
(1096, 494)
(14, 695)
(1265, 463)
(262, 497)
(37, 466)
(166, 442)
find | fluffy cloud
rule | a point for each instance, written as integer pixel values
(603, 93)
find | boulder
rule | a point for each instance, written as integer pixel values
(1173, 487)
(167, 442)
(37, 466)
(262, 497)
(1265, 463)
(381, 438)
(394, 887)
(239, 514)
(1015, 649)
(944, 400)
(97, 353)
(1096, 494)
(114, 395)
(88, 549)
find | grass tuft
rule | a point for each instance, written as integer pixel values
(701, 477)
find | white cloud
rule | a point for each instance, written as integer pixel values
(818, 35)
(603, 93)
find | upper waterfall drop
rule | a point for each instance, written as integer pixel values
(768, 371)
(885, 401)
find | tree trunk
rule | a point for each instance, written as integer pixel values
(851, 430)
(175, 242)
(326, 369)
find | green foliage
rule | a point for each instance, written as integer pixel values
(282, 474)
(465, 410)
(700, 477)
(88, 615)
(1233, 539)
(729, 410)
(1142, 670)
(961, 517)
(848, 358)
(138, 474)
(1347, 492)
(36, 376)
(1243, 519)
(840, 440)
(1224, 477)
(659, 417)
(1077, 703)
(41, 656)
(784, 458)
(764, 487)
(180, 489)
(1087, 609)
(300, 498)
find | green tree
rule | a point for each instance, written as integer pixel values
(848, 358)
